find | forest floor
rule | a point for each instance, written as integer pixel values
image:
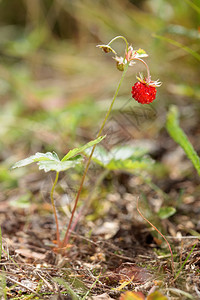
(112, 249)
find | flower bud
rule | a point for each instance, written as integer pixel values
(121, 62)
(120, 66)
(106, 48)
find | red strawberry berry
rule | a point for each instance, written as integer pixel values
(143, 92)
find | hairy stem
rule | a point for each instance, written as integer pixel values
(172, 259)
(54, 210)
(67, 234)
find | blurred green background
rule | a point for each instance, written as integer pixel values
(55, 85)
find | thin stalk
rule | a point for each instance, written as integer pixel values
(120, 37)
(67, 234)
(172, 259)
(54, 210)
(148, 71)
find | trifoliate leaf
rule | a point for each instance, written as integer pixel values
(48, 162)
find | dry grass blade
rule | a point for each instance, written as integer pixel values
(22, 285)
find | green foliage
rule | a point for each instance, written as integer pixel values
(166, 212)
(179, 137)
(122, 158)
(50, 161)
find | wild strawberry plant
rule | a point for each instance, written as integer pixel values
(143, 91)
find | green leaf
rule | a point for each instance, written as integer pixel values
(179, 137)
(76, 151)
(48, 162)
(166, 212)
(122, 158)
